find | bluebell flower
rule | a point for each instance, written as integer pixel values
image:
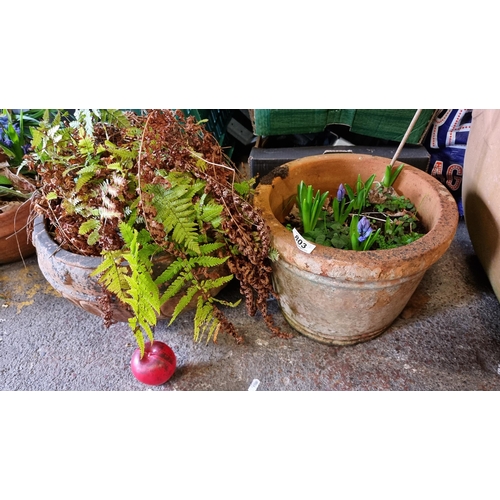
(341, 192)
(3, 124)
(4, 137)
(364, 229)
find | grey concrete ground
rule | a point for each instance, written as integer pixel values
(447, 339)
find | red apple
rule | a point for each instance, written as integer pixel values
(156, 366)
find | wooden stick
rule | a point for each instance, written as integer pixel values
(405, 138)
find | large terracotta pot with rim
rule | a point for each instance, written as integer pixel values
(69, 274)
(342, 296)
(15, 243)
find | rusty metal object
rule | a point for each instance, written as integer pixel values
(344, 297)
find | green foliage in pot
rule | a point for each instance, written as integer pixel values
(131, 187)
(371, 216)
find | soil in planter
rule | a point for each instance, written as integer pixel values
(6, 206)
(393, 214)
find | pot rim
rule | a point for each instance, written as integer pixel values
(372, 264)
(42, 239)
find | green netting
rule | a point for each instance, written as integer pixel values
(289, 121)
(388, 124)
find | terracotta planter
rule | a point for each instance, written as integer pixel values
(481, 200)
(14, 241)
(343, 296)
(69, 274)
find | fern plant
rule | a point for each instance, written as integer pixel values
(133, 188)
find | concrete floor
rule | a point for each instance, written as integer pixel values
(448, 339)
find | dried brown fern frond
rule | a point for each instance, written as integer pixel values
(172, 142)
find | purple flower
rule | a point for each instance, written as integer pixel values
(341, 192)
(364, 229)
(4, 124)
(4, 139)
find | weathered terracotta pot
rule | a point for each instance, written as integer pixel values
(343, 296)
(69, 274)
(480, 191)
(14, 241)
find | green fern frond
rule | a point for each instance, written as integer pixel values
(211, 213)
(89, 225)
(184, 301)
(172, 270)
(187, 265)
(87, 168)
(123, 154)
(84, 176)
(93, 237)
(144, 301)
(210, 284)
(127, 233)
(244, 188)
(203, 312)
(86, 145)
(140, 281)
(204, 308)
(107, 262)
(139, 335)
(183, 279)
(72, 167)
(199, 187)
(115, 166)
(205, 323)
(206, 261)
(146, 248)
(135, 131)
(143, 295)
(112, 274)
(201, 164)
(143, 237)
(227, 303)
(176, 212)
(132, 284)
(209, 248)
(146, 252)
(37, 138)
(115, 117)
(186, 233)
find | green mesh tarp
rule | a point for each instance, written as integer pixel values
(388, 124)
